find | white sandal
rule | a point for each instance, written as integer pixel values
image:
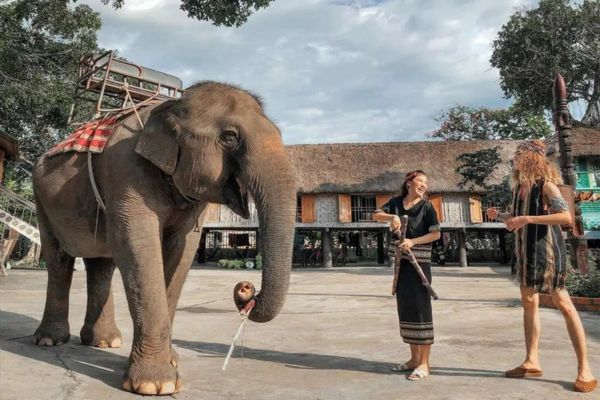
(418, 374)
(401, 367)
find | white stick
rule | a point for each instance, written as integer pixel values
(235, 338)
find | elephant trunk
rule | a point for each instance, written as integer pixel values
(272, 184)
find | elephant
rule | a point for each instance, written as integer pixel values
(156, 177)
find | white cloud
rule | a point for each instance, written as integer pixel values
(329, 70)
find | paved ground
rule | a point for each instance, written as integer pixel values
(336, 338)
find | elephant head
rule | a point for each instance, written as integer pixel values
(217, 145)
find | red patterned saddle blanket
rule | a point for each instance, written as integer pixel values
(90, 137)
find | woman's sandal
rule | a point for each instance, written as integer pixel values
(418, 374)
(522, 372)
(401, 368)
(585, 387)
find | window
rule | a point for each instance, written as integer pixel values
(362, 208)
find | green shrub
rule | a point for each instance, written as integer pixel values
(231, 264)
(258, 263)
(584, 285)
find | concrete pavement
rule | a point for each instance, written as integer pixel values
(337, 338)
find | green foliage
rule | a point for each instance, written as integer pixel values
(470, 123)
(557, 36)
(41, 42)
(584, 285)
(258, 264)
(231, 264)
(219, 12)
(500, 194)
(477, 166)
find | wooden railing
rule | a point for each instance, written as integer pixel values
(485, 206)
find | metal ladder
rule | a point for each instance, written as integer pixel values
(18, 214)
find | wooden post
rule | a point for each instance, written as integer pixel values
(577, 244)
(462, 247)
(1, 166)
(6, 247)
(503, 252)
(201, 259)
(327, 249)
(380, 251)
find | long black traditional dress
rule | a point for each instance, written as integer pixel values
(540, 250)
(412, 298)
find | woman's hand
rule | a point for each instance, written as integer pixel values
(492, 213)
(515, 223)
(395, 224)
(407, 245)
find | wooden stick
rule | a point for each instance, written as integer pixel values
(412, 259)
(235, 338)
(398, 253)
(419, 270)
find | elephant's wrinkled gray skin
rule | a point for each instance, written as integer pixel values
(212, 145)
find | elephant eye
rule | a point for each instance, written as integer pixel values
(229, 138)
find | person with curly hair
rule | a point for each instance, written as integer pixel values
(538, 211)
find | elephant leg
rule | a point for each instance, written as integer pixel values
(178, 253)
(99, 328)
(137, 251)
(54, 329)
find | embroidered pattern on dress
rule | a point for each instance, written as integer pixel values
(416, 332)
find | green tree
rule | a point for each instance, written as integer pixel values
(477, 167)
(470, 123)
(41, 42)
(219, 12)
(557, 36)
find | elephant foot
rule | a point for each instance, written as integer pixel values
(101, 336)
(52, 334)
(151, 378)
(174, 357)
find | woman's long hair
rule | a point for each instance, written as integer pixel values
(530, 165)
(407, 178)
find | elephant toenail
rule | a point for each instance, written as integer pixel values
(167, 388)
(127, 385)
(147, 388)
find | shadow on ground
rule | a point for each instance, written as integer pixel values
(108, 367)
(16, 336)
(315, 361)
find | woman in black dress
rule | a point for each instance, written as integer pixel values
(412, 298)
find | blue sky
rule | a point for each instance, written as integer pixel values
(330, 71)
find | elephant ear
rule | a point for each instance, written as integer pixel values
(158, 140)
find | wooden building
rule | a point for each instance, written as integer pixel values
(340, 185)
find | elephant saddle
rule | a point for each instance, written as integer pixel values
(90, 137)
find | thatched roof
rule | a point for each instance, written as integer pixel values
(585, 141)
(380, 167)
(9, 144)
